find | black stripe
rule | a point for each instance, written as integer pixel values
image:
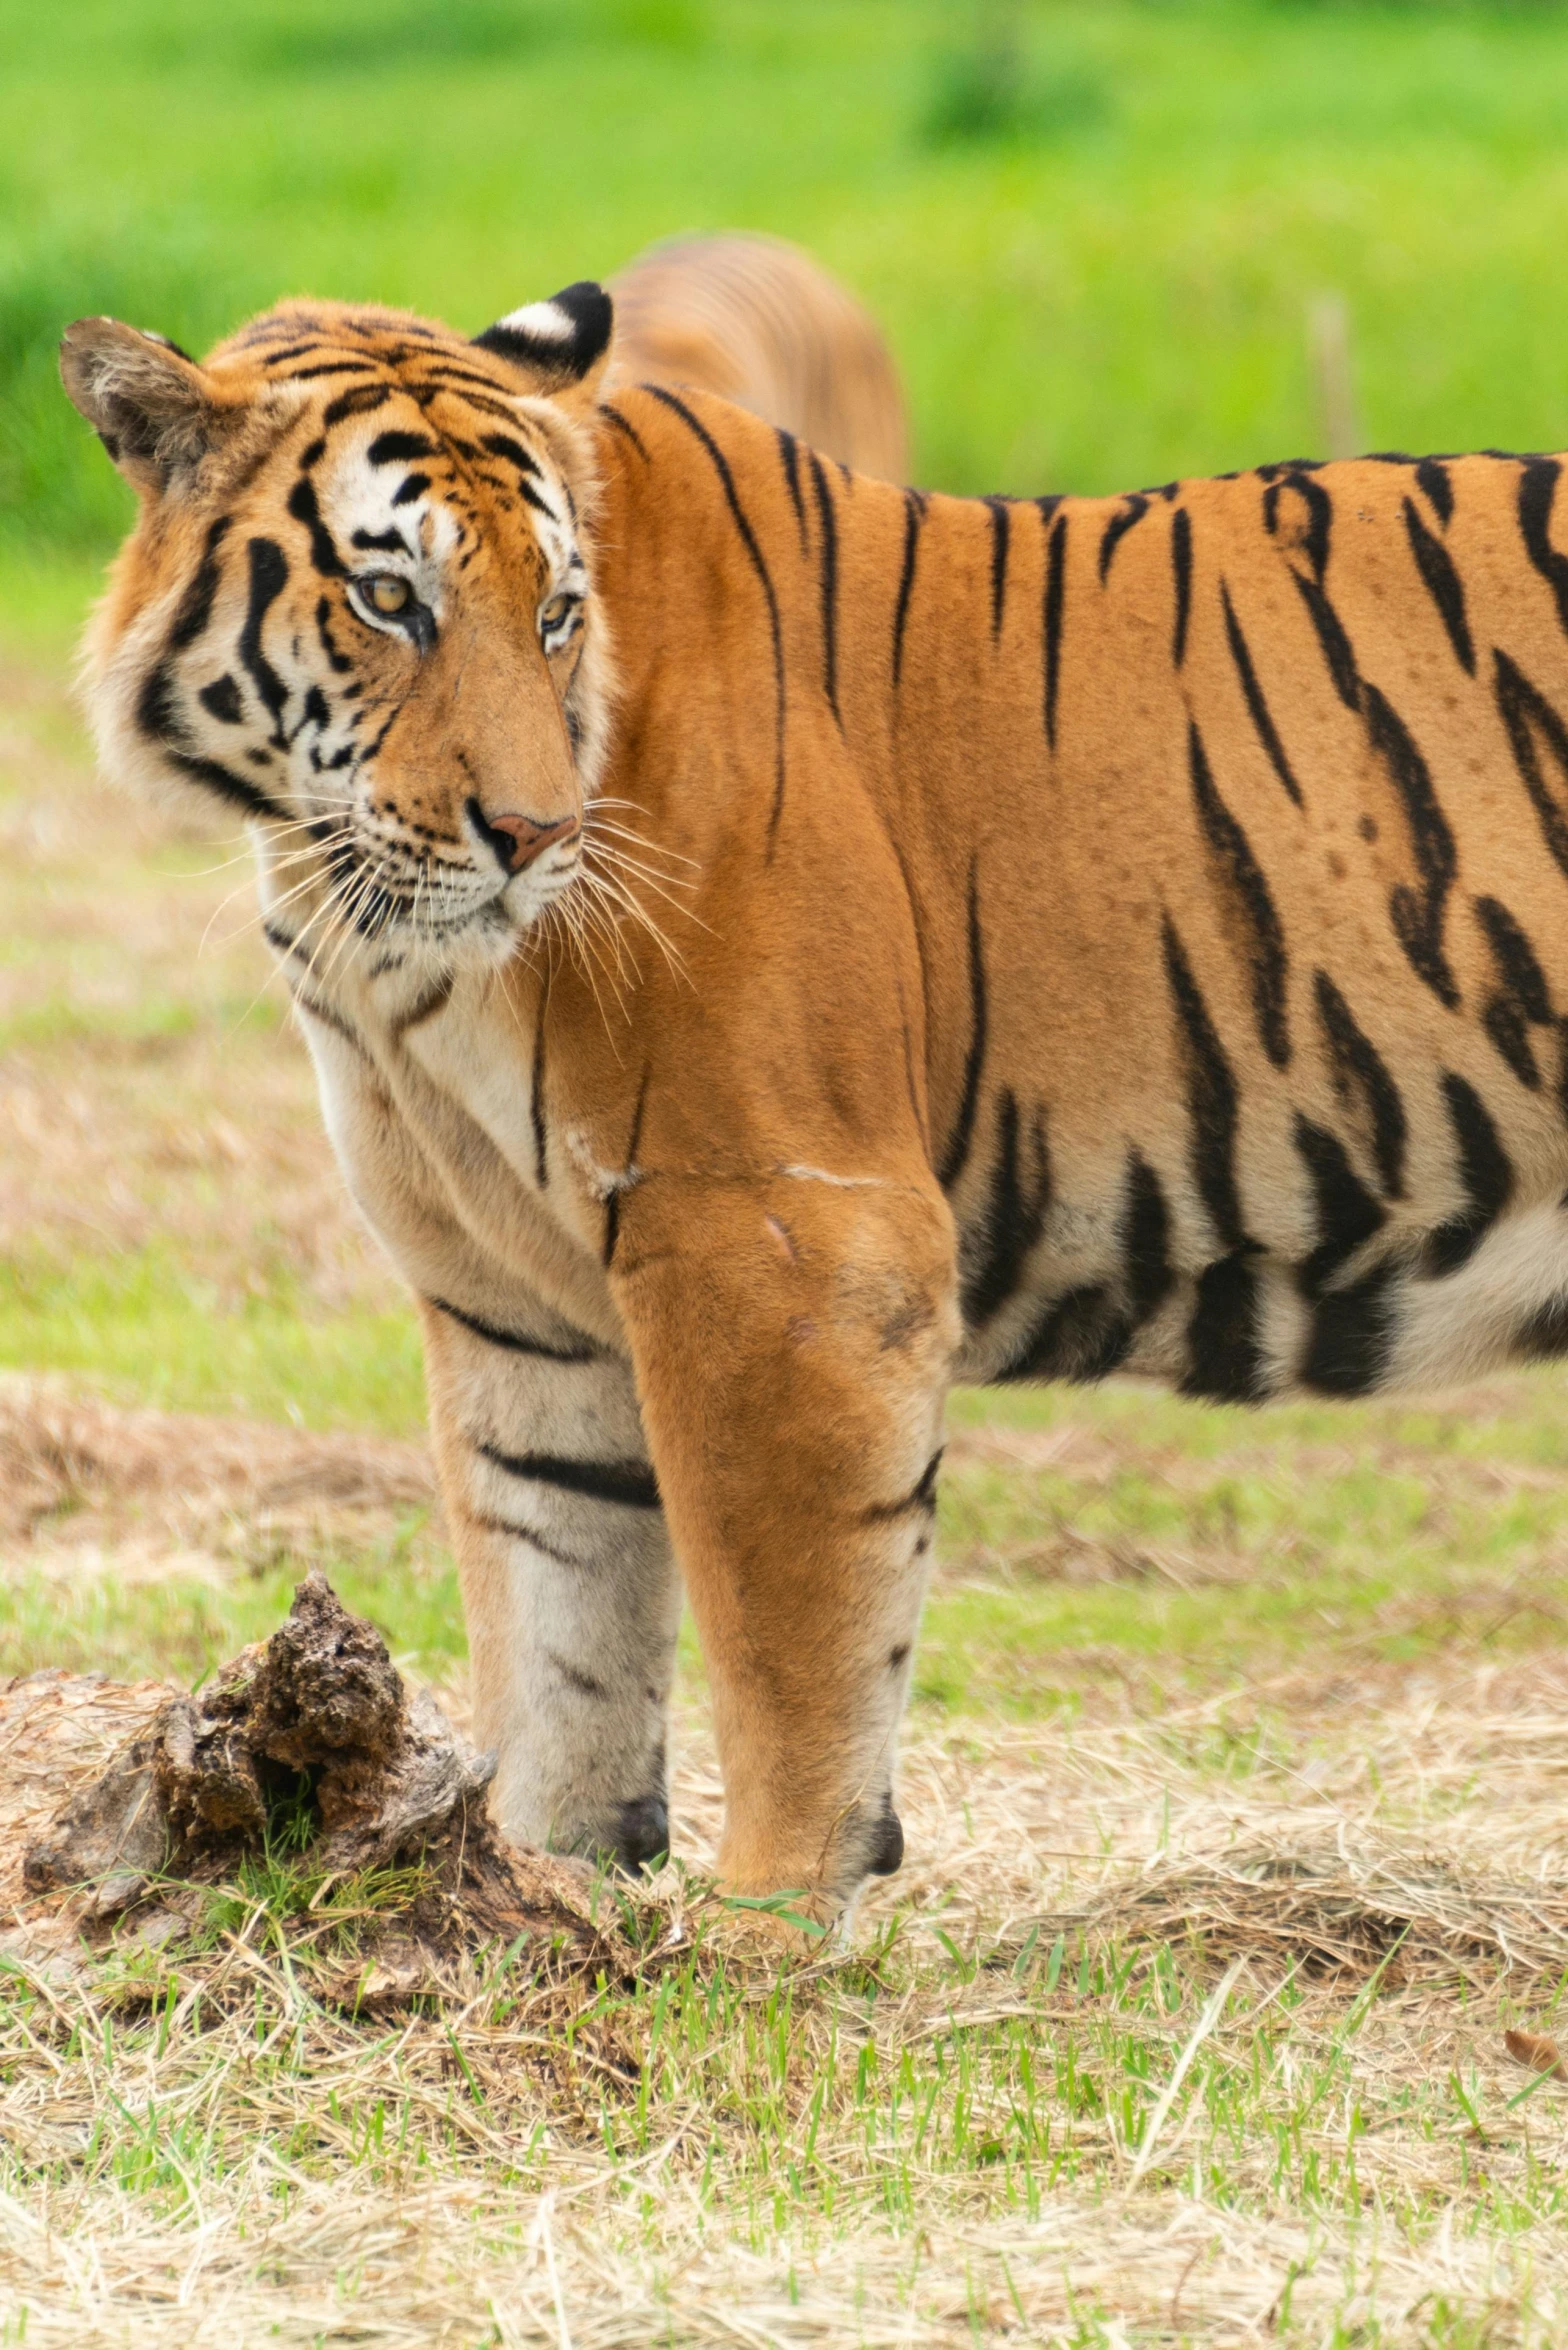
(1508, 1033)
(338, 662)
(1249, 894)
(425, 1007)
(289, 351)
(222, 698)
(1013, 1217)
(914, 516)
(1225, 1356)
(1526, 712)
(575, 1678)
(1417, 912)
(1442, 584)
(514, 1341)
(1083, 1334)
(957, 1152)
(1545, 1334)
(1181, 567)
(720, 464)
(1523, 998)
(282, 941)
(612, 1206)
(632, 1484)
(789, 451)
(333, 1020)
(269, 573)
(536, 1105)
(1537, 490)
(1357, 1067)
(1145, 1236)
(829, 522)
(1054, 613)
(489, 1524)
(1352, 1336)
(1320, 512)
(1000, 532)
(1433, 478)
(358, 400)
(306, 375)
(923, 1496)
(1347, 1214)
(1331, 637)
(1133, 510)
(196, 604)
(390, 541)
(628, 432)
(236, 789)
(1486, 1173)
(1211, 1097)
(504, 444)
(1268, 733)
(393, 448)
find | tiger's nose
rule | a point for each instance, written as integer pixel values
(515, 841)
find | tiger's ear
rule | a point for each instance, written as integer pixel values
(155, 411)
(562, 345)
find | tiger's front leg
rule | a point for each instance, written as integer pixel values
(569, 1589)
(793, 1340)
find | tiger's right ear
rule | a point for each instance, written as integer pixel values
(155, 411)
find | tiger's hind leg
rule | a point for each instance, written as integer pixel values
(569, 1588)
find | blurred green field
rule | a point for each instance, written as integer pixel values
(1109, 289)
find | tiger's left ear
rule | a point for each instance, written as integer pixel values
(562, 345)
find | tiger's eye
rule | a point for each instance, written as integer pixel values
(388, 594)
(556, 613)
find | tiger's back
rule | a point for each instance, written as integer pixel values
(1234, 819)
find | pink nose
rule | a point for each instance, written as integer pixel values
(517, 840)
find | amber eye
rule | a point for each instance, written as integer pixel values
(385, 593)
(554, 615)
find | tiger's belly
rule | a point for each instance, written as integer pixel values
(1323, 1284)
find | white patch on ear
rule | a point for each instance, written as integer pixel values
(539, 322)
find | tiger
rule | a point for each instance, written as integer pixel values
(774, 943)
(760, 322)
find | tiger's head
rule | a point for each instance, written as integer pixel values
(357, 605)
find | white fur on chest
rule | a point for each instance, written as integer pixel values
(434, 1122)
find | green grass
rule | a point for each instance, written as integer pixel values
(143, 1329)
(181, 1628)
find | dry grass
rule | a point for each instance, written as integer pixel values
(942, 2136)
(76, 1473)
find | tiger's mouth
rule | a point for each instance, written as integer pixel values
(383, 890)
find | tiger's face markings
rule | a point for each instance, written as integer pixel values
(359, 609)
